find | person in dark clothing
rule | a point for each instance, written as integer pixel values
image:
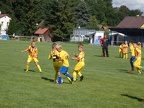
(104, 44)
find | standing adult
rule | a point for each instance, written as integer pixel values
(104, 45)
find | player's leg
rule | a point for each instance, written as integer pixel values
(27, 64)
(36, 63)
(136, 65)
(74, 75)
(79, 66)
(107, 51)
(103, 51)
(131, 63)
(56, 72)
(126, 56)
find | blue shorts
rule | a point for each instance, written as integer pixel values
(63, 70)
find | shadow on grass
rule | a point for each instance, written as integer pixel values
(125, 71)
(51, 80)
(98, 55)
(29, 70)
(44, 78)
(133, 97)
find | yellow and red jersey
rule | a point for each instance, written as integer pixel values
(132, 50)
(137, 53)
(53, 55)
(125, 48)
(81, 56)
(120, 48)
(33, 52)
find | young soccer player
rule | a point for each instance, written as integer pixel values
(125, 50)
(33, 55)
(120, 50)
(79, 66)
(54, 54)
(63, 57)
(137, 63)
(132, 59)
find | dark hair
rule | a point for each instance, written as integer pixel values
(80, 45)
(53, 45)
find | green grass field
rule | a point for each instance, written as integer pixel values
(107, 82)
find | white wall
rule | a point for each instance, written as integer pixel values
(4, 22)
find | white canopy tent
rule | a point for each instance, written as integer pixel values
(116, 38)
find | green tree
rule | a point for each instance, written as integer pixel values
(82, 14)
(61, 17)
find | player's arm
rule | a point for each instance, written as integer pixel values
(24, 50)
(50, 55)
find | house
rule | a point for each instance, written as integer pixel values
(80, 35)
(132, 27)
(4, 23)
(43, 34)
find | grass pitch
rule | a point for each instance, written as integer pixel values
(107, 81)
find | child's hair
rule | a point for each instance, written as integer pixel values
(139, 43)
(54, 45)
(58, 46)
(80, 45)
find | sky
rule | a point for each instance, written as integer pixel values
(131, 4)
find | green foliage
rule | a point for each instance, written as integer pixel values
(107, 81)
(62, 16)
(93, 23)
(82, 14)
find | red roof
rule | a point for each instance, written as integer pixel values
(42, 30)
(131, 22)
(2, 15)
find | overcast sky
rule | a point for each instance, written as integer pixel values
(131, 4)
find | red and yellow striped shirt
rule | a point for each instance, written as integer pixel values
(33, 52)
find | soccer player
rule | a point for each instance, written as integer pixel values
(125, 50)
(132, 59)
(80, 64)
(54, 54)
(33, 56)
(120, 50)
(137, 63)
(63, 57)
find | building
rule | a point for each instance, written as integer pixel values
(43, 34)
(132, 27)
(4, 23)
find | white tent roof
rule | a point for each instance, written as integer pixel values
(116, 33)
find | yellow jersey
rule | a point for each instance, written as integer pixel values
(132, 50)
(33, 52)
(120, 47)
(137, 53)
(64, 56)
(81, 56)
(54, 54)
(125, 48)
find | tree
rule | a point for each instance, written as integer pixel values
(61, 18)
(82, 14)
(93, 23)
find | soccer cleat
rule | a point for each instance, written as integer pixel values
(81, 78)
(26, 70)
(132, 70)
(139, 72)
(70, 80)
